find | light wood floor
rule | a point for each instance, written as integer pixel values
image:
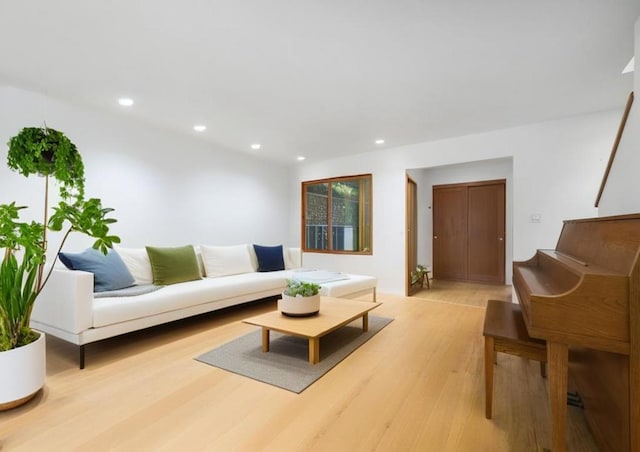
(465, 293)
(415, 386)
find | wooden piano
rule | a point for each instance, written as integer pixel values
(584, 299)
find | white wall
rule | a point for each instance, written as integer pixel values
(620, 195)
(168, 189)
(459, 173)
(557, 168)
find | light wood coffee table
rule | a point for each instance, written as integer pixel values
(334, 313)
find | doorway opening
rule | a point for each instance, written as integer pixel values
(426, 178)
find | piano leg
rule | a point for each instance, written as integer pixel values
(558, 361)
(489, 359)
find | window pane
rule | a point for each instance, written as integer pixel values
(365, 244)
(337, 215)
(345, 215)
(316, 217)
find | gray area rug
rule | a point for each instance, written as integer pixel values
(286, 364)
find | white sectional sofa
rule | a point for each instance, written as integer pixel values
(68, 309)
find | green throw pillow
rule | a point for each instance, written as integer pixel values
(173, 265)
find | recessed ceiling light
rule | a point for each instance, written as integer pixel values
(379, 141)
(199, 128)
(256, 146)
(629, 67)
(301, 158)
(125, 101)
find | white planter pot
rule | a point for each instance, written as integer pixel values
(299, 306)
(23, 373)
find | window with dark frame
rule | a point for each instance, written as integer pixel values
(337, 215)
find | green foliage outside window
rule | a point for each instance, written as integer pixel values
(337, 215)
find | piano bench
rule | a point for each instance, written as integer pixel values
(505, 332)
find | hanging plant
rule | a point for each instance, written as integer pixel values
(23, 245)
(47, 152)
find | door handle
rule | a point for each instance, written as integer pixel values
(500, 239)
(435, 236)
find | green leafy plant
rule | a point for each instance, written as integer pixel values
(418, 275)
(48, 153)
(298, 288)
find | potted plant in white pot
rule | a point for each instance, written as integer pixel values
(50, 154)
(300, 299)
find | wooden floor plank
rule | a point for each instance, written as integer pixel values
(417, 385)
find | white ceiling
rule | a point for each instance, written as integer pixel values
(324, 78)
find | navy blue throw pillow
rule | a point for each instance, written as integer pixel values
(109, 271)
(270, 258)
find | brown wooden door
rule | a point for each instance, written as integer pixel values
(450, 232)
(486, 233)
(469, 231)
(412, 233)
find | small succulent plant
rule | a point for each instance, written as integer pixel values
(298, 288)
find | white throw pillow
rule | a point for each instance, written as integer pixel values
(196, 248)
(226, 260)
(253, 257)
(137, 261)
(292, 258)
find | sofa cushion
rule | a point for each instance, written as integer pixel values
(292, 258)
(226, 260)
(245, 287)
(109, 271)
(173, 265)
(352, 284)
(137, 261)
(270, 258)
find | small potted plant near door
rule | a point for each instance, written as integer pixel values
(419, 276)
(23, 252)
(300, 299)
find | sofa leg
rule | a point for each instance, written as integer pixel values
(82, 357)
